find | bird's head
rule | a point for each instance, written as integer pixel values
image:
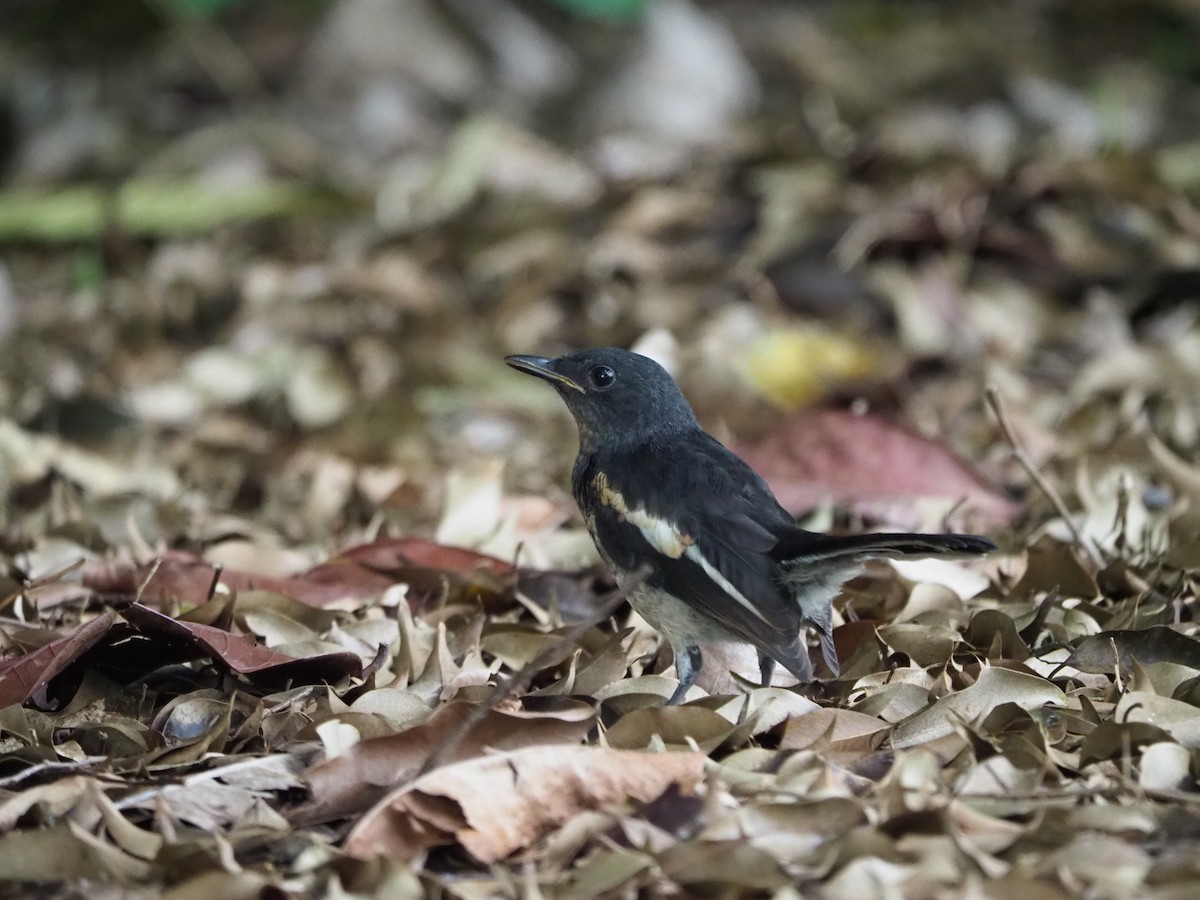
(615, 396)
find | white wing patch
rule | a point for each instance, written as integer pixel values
(693, 553)
(661, 534)
(665, 537)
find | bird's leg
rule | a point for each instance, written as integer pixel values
(687, 667)
(766, 666)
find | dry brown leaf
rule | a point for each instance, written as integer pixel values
(355, 779)
(55, 799)
(499, 804)
(994, 686)
(925, 645)
(66, 851)
(1176, 718)
(733, 864)
(404, 553)
(1055, 567)
(604, 872)
(213, 391)
(243, 885)
(1099, 653)
(797, 833)
(220, 797)
(675, 726)
(893, 702)
(839, 730)
(175, 577)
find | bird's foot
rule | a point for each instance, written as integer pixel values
(687, 666)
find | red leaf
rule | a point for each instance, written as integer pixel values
(21, 677)
(245, 655)
(177, 575)
(817, 455)
(358, 573)
(399, 553)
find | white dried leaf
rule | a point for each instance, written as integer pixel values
(318, 393)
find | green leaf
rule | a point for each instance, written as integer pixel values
(152, 207)
(613, 10)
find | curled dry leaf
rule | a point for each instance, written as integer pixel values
(52, 800)
(184, 578)
(20, 678)
(353, 780)
(893, 702)
(497, 805)
(1176, 718)
(66, 851)
(991, 629)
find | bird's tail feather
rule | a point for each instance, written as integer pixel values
(799, 545)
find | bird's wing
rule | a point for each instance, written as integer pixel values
(684, 510)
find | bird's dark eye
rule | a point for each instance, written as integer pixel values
(602, 376)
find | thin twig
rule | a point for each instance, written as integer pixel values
(218, 569)
(225, 62)
(56, 575)
(1114, 791)
(40, 582)
(524, 678)
(137, 598)
(997, 406)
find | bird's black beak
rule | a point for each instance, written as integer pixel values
(542, 368)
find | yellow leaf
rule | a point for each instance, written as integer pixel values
(795, 367)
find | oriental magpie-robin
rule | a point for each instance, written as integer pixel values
(725, 561)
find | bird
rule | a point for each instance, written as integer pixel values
(711, 554)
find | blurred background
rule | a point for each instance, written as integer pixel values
(260, 261)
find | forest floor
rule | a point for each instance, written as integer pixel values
(294, 600)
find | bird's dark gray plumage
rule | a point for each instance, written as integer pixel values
(726, 562)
